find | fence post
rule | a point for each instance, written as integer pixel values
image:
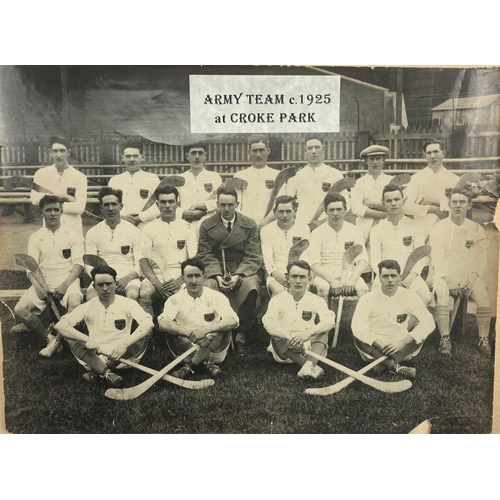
(363, 139)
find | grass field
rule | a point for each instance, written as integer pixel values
(254, 395)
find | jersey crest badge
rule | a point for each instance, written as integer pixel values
(401, 318)
(208, 187)
(348, 244)
(120, 324)
(326, 186)
(144, 193)
(181, 244)
(269, 184)
(296, 239)
(209, 317)
(71, 191)
(66, 253)
(307, 315)
(468, 244)
(407, 240)
(125, 249)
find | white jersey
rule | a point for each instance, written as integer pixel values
(395, 241)
(108, 326)
(137, 189)
(284, 314)
(380, 317)
(119, 247)
(328, 246)
(176, 241)
(255, 198)
(56, 253)
(191, 312)
(310, 185)
(450, 247)
(276, 244)
(70, 182)
(198, 189)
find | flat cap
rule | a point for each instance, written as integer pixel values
(375, 149)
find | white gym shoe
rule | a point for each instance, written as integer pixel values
(307, 371)
(53, 346)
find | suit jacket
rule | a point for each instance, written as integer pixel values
(241, 246)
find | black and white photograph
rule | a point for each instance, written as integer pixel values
(249, 249)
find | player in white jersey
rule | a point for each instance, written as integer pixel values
(58, 251)
(429, 189)
(297, 319)
(198, 314)
(395, 238)
(276, 240)
(381, 322)
(137, 186)
(328, 244)
(109, 321)
(254, 199)
(451, 240)
(118, 243)
(64, 181)
(173, 238)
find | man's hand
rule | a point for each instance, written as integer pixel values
(118, 351)
(229, 285)
(429, 201)
(297, 341)
(191, 215)
(92, 346)
(348, 287)
(121, 284)
(42, 293)
(60, 291)
(170, 287)
(392, 348)
(469, 284)
(132, 218)
(335, 287)
(160, 291)
(66, 198)
(280, 278)
(314, 224)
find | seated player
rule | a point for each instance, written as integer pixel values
(451, 241)
(174, 239)
(58, 251)
(117, 242)
(198, 314)
(277, 238)
(109, 321)
(395, 238)
(328, 244)
(296, 319)
(383, 320)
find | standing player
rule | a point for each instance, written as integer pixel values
(451, 240)
(328, 244)
(63, 180)
(200, 315)
(395, 238)
(381, 321)
(137, 186)
(174, 239)
(229, 247)
(118, 243)
(297, 319)
(109, 320)
(58, 251)
(260, 177)
(430, 187)
(277, 238)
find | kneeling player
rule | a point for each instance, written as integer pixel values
(198, 314)
(292, 321)
(383, 319)
(109, 320)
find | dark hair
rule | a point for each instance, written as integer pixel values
(108, 191)
(314, 135)
(441, 143)
(286, 199)
(390, 188)
(226, 190)
(102, 270)
(299, 263)
(463, 191)
(255, 138)
(389, 264)
(133, 143)
(166, 190)
(331, 198)
(193, 262)
(49, 198)
(198, 145)
(59, 139)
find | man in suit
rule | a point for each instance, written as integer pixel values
(229, 247)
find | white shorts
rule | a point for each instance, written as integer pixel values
(31, 295)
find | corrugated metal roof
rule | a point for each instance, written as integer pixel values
(468, 102)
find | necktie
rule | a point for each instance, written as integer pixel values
(228, 227)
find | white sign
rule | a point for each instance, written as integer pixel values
(264, 103)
